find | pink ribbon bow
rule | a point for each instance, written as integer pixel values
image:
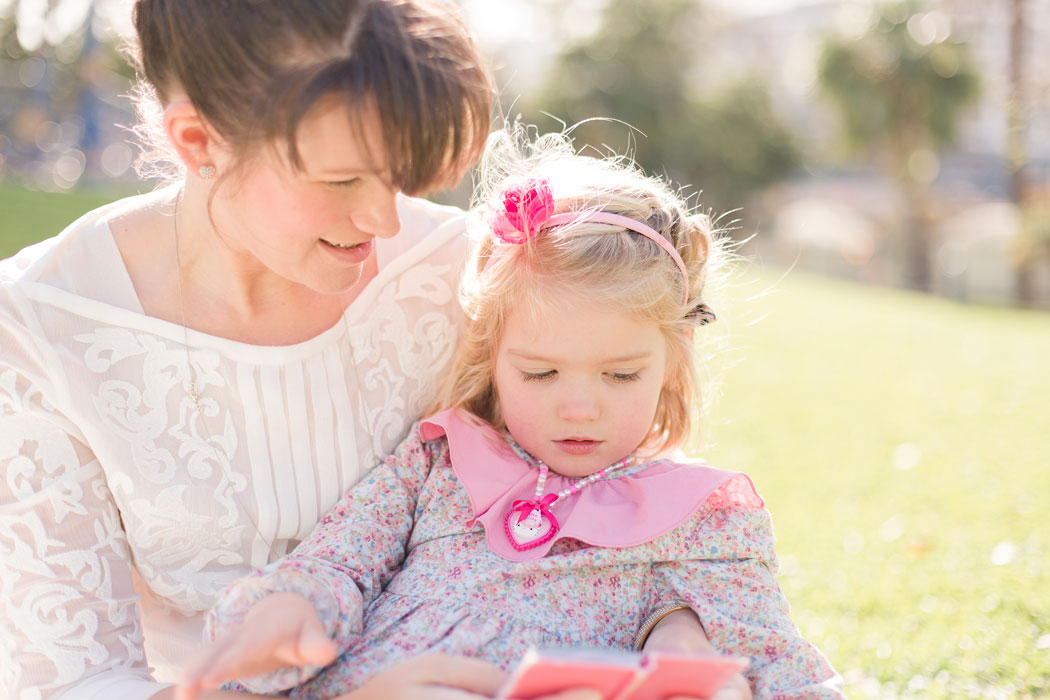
(525, 508)
(526, 208)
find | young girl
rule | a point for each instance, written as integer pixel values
(537, 507)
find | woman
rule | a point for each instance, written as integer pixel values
(190, 378)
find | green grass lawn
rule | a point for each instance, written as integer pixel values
(903, 446)
(26, 217)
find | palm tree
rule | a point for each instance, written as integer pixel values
(901, 89)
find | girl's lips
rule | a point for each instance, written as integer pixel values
(354, 254)
(578, 447)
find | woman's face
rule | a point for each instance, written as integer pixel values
(316, 226)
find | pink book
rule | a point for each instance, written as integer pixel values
(620, 675)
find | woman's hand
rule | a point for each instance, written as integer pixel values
(681, 631)
(280, 630)
(444, 677)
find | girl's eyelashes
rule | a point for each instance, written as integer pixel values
(618, 377)
(537, 376)
(623, 376)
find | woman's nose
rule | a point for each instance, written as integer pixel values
(376, 212)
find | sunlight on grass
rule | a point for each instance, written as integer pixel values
(901, 442)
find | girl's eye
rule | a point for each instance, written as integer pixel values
(538, 376)
(623, 377)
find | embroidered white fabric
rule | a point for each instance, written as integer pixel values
(123, 515)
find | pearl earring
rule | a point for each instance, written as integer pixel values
(207, 172)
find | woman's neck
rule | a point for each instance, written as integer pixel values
(211, 286)
(220, 275)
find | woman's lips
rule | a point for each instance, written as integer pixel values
(578, 447)
(353, 254)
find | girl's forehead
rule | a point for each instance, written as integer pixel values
(582, 329)
(542, 305)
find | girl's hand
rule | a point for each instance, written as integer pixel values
(280, 630)
(444, 677)
(681, 631)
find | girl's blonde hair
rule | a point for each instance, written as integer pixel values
(593, 262)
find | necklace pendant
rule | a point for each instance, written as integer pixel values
(530, 524)
(195, 394)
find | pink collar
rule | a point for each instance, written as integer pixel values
(619, 512)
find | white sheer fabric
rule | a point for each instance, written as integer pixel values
(123, 513)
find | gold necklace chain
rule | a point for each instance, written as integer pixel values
(194, 391)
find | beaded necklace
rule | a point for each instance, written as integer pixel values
(534, 523)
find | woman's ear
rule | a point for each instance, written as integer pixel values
(196, 145)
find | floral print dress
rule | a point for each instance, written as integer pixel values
(403, 566)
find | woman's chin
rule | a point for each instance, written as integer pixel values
(342, 283)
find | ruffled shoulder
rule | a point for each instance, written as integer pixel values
(620, 512)
(733, 523)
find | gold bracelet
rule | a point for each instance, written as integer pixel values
(652, 619)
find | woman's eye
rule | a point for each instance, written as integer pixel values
(623, 376)
(538, 376)
(344, 183)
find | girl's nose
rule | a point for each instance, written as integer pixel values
(578, 407)
(376, 212)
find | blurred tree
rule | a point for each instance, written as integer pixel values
(1033, 240)
(70, 75)
(636, 69)
(900, 90)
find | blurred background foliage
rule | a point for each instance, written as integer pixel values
(901, 90)
(900, 439)
(635, 68)
(900, 142)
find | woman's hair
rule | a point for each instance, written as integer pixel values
(253, 69)
(595, 263)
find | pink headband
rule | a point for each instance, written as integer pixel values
(528, 208)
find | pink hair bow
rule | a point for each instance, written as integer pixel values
(526, 208)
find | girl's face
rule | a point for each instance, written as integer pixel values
(316, 227)
(578, 389)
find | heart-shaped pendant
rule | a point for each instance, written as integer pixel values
(529, 524)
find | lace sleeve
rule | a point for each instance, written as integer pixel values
(69, 625)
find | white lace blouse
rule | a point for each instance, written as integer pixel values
(124, 512)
